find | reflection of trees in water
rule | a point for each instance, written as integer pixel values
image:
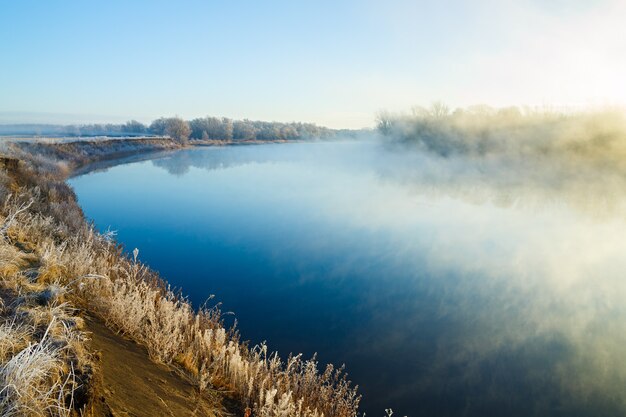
(104, 165)
(504, 181)
(512, 182)
(214, 158)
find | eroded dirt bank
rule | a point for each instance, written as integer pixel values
(133, 385)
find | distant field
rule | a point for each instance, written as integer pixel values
(62, 139)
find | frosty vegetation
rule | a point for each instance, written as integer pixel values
(589, 137)
(204, 128)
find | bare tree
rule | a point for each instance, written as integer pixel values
(133, 126)
(227, 126)
(384, 122)
(439, 110)
(158, 126)
(177, 129)
(243, 130)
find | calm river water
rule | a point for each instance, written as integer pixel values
(448, 286)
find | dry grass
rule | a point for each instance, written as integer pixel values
(34, 381)
(43, 360)
(41, 350)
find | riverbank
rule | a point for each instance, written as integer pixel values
(89, 275)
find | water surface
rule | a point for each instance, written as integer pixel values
(447, 286)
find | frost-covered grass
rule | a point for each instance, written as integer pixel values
(60, 158)
(42, 355)
(34, 381)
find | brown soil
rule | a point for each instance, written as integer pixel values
(133, 385)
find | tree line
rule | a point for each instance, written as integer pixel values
(225, 129)
(585, 135)
(204, 128)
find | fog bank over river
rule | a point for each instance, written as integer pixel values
(451, 285)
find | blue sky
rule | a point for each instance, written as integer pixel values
(332, 62)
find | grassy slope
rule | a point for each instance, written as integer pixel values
(66, 157)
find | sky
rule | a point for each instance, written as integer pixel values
(335, 63)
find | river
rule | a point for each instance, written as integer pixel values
(447, 286)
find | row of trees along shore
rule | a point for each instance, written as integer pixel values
(205, 128)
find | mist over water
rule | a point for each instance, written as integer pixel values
(456, 285)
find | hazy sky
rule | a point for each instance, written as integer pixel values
(332, 62)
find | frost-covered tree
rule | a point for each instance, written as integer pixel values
(177, 129)
(133, 126)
